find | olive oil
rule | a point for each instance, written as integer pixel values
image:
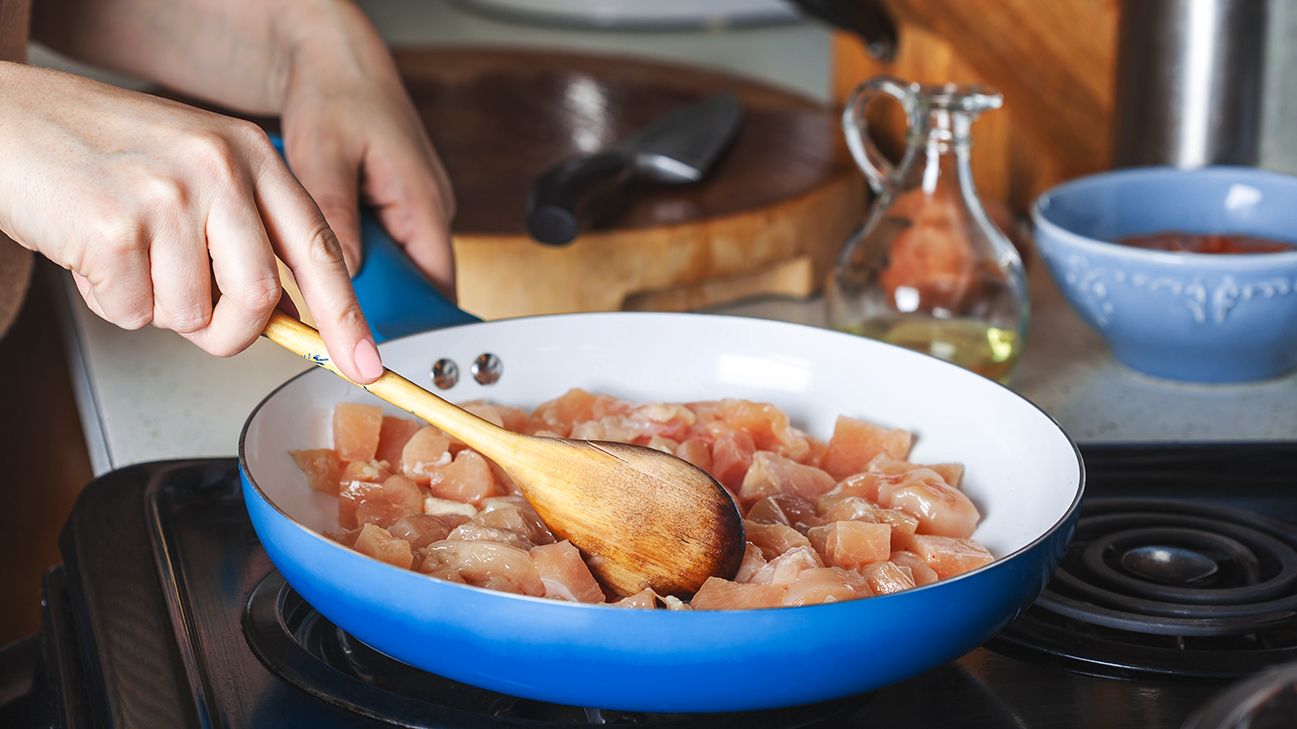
(970, 343)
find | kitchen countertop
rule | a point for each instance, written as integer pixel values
(150, 395)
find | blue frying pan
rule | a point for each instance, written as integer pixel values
(1023, 472)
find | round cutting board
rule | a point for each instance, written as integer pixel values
(769, 218)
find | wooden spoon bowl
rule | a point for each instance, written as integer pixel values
(643, 518)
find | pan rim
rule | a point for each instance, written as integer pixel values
(1062, 521)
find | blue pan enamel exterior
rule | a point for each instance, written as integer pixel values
(1183, 316)
(652, 660)
(640, 660)
(397, 299)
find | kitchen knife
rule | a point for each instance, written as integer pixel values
(676, 148)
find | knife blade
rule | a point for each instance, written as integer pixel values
(678, 147)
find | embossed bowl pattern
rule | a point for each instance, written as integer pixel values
(1183, 316)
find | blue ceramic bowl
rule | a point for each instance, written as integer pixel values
(1183, 316)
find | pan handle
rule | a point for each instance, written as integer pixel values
(396, 297)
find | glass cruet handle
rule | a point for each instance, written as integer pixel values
(878, 170)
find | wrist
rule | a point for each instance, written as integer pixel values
(329, 41)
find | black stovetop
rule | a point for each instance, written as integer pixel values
(167, 613)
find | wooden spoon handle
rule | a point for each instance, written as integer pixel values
(480, 435)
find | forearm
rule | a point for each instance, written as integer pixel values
(238, 53)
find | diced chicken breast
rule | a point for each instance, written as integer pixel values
(825, 584)
(947, 556)
(392, 437)
(886, 577)
(565, 575)
(752, 561)
(855, 443)
(425, 451)
(774, 539)
(941, 509)
(378, 543)
(852, 544)
(322, 467)
(356, 428)
(920, 572)
(772, 474)
(483, 564)
(718, 594)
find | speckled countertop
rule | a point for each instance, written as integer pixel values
(150, 395)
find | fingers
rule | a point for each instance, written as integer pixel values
(119, 280)
(306, 244)
(245, 271)
(418, 214)
(330, 176)
(181, 278)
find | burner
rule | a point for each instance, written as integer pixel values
(1170, 588)
(305, 649)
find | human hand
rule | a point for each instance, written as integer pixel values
(348, 123)
(168, 215)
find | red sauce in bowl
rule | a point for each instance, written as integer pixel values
(1210, 243)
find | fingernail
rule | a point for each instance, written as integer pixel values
(367, 361)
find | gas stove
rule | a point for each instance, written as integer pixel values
(1180, 584)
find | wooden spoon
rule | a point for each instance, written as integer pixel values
(644, 518)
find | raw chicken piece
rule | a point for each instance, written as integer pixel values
(695, 451)
(941, 509)
(358, 479)
(885, 578)
(513, 517)
(666, 445)
(826, 584)
(611, 427)
(772, 474)
(847, 508)
(732, 452)
(483, 564)
(855, 443)
(383, 506)
(784, 569)
(419, 530)
(566, 577)
(718, 594)
(674, 603)
(472, 532)
(371, 471)
(947, 556)
(645, 599)
(767, 424)
(453, 513)
(345, 537)
(662, 420)
(864, 485)
(355, 430)
(951, 473)
(322, 467)
(376, 542)
(752, 561)
(575, 406)
(852, 544)
(393, 436)
(921, 573)
(767, 511)
(468, 478)
(774, 539)
(426, 450)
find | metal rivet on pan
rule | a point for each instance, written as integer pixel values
(445, 373)
(487, 368)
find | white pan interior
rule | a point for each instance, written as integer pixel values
(1022, 471)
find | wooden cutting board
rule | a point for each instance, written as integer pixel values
(770, 218)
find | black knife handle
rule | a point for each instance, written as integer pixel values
(559, 199)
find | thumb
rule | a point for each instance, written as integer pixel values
(331, 180)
